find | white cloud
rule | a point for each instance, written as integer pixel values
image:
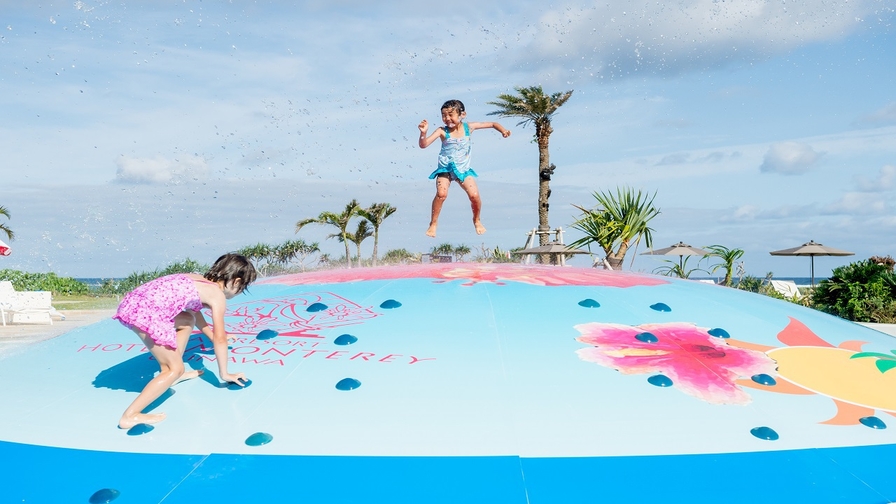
(616, 39)
(854, 203)
(159, 170)
(881, 117)
(883, 182)
(789, 158)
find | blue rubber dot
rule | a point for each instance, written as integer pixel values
(660, 380)
(764, 379)
(266, 334)
(139, 429)
(646, 337)
(348, 384)
(718, 332)
(345, 339)
(259, 438)
(873, 422)
(766, 433)
(389, 304)
(316, 307)
(589, 303)
(104, 496)
(663, 307)
(234, 386)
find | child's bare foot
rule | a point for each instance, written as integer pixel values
(188, 375)
(480, 229)
(431, 232)
(127, 423)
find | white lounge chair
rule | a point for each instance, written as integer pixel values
(28, 307)
(786, 288)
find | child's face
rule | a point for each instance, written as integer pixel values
(233, 288)
(451, 117)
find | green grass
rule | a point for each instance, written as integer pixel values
(85, 302)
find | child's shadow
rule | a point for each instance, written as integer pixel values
(133, 374)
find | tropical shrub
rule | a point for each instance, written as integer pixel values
(863, 291)
(23, 281)
(138, 278)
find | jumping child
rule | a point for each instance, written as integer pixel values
(454, 159)
(163, 313)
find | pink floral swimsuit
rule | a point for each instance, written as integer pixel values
(152, 307)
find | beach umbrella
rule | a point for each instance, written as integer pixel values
(680, 249)
(811, 249)
(4, 249)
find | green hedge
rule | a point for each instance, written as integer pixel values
(863, 291)
(23, 281)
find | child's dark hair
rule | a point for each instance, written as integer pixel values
(454, 104)
(231, 266)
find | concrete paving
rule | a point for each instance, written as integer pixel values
(14, 336)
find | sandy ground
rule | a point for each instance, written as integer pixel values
(14, 336)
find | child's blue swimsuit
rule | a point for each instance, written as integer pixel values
(454, 158)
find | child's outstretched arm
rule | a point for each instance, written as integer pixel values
(483, 125)
(216, 301)
(426, 141)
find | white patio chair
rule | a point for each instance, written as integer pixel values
(786, 288)
(25, 307)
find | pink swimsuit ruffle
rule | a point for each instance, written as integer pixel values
(152, 307)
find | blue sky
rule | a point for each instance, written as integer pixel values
(143, 133)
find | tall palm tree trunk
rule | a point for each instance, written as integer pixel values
(545, 170)
(376, 239)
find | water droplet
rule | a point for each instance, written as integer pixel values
(764, 379)
(104, 495)
(259, 438)
(316, 307)
(766, 433)
(663, 307)
(348, 384)
(267, 334)
(646, 337)
(389, 304)
(589, 303)
(873, 422)
(139, 429)
(660, 380)
(345, 339)
(718, 332)
(234, 386)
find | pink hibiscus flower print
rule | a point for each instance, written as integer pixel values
(697, 363)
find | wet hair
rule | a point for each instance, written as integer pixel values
(454, 104)
(229, 267)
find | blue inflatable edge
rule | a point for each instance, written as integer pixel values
(40, 474)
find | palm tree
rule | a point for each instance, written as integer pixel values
(3, 227)
(257, 253)
(376, 214)
(362, 233)
(677, 269)
(729, 257)
(460, 251)
(290, 250)
(401, 256)
(621, 222)
(340, 221)
(534, 106)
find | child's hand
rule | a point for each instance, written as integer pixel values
(505, 133)
(235, 378)
(424, 126)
